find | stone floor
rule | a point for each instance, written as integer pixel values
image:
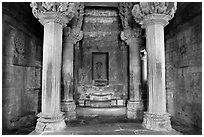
(98, 125)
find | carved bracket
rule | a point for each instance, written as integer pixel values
(75, 33)
(125, 13)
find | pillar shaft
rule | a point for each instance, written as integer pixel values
(156, 69)
(135, 70)
(67, 69)
(51, 78)
(68, 104)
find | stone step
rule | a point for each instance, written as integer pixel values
(105, 111)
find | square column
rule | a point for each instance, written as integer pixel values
(153, 17)
(51, 118)
(134, 104)
(71, 36)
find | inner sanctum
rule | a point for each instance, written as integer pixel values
(106, 74)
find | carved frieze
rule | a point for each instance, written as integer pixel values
(61, 12)
(108, 20)
(164, 10)
(100, 13)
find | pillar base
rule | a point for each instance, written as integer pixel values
(134, 109)
(157, 122)
(48, 122)
(69, 109)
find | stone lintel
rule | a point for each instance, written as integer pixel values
(157, 122)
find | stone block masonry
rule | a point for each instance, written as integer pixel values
(21, 72)
(184, 68)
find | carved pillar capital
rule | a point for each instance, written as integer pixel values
(73, 35)
(125, 13)
(150, 13)
(59, 12)
(131, 36)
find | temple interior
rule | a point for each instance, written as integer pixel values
(75, 66)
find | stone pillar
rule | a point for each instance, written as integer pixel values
(135, 105)
(54, 17)
(71, 36)
(153, 17)
(144, 78)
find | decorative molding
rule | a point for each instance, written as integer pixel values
(157, 122)
(153, 11)
(100, 13)
(73, 35)
(60, 12)
(130, 35)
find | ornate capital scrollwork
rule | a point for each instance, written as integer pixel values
(60, 12)
(78, 18)
(73, 35)
(154, 11)
(130, 35)
(125, 13)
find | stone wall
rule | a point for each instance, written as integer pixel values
(184, 64)
(21, 65)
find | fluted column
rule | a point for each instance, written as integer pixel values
(154, 16)
(54, 17)
(71, 36)
(134, 105)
